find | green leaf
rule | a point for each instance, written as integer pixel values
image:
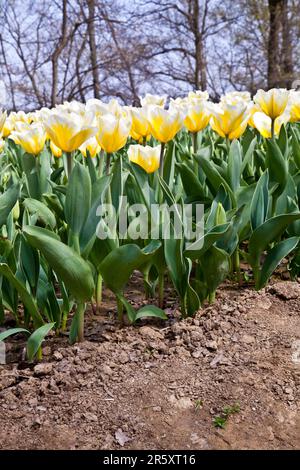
(269, 231)
(42, 212)
(277, 165)
(260, 201)
(215, 265)
(199, 247)
(234, 165)
(191, 183)
(68, 265)
(89, 230)
(25, 296)
(35, 340)
(169, 164)
(150, 311)
(8, 201)
(214, 177)
(78, 198)
(273, 258)
(12, 331)
(30, 263)
(129, 308)
(123, 261)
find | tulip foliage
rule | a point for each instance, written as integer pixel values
(73, 174)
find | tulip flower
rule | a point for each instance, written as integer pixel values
(273, 102)
(140, 124)
(263, 123)
(2, 143)
(294, 106)
(145, 156)
(234, 96)
(197, 116)
(7, 127)
(153, 100)
(230, 120)
(198, 95)
(164, 123)
(2, 120)
(113, 132)
(31, 137)
(112, 107)
(91, 145)
(69, 130)
(56, 151)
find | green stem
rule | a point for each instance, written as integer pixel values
(108, 160)
(195, 141)
(39, 354)
(80, 312)
(274, 204)
(70, 162)
(236, 264)
(76, 244)
(273, 128)
(161, 159)
(212, 297)
(120, 310)
(64, 321)
(99, 291)
(161, 282)
(101, 163)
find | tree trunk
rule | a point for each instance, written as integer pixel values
(275, 9)
(286, 53)
(200, 65)
(93, 49)
(55, 56)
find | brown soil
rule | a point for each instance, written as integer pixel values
(161, 385)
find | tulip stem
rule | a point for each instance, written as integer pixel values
(161, 281)
(120, 310)
(195, 141)
(161, 159)
(101, 163)
(108, 160)
(80, 313)
(69, 163)
(99, 291)
(272, 128)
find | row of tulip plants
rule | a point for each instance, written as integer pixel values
(239, 159)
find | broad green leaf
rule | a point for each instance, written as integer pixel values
(260, 201)
(215, 266)
(266, 233)
(234, 165)
(36, 338)
(89, 230)
(43, 213)
(30, 263)
(214, 177)
(25, 296)
(12, 331)
(277, 165)
(273, 258)
(191, 183)
(8, 201)
(150, 311)
(199, 247)
(131, 313)
(117, 266)
(67, 264)
(78, 198)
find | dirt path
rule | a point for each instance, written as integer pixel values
(155, 387)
